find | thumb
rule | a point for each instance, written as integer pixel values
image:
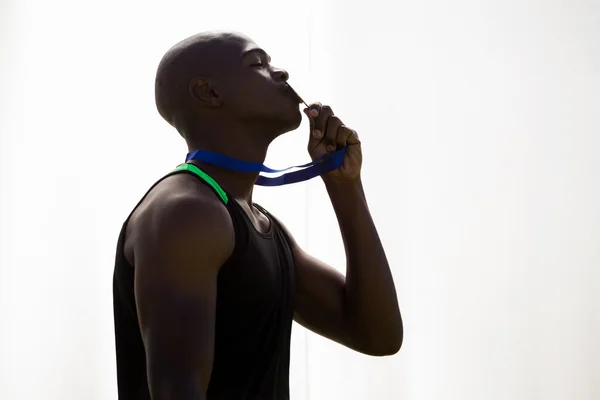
(315, 134)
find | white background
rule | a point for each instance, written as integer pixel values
(480, 124)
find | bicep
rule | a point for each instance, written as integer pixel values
(176, 289)
(177, 326)
(320, 301)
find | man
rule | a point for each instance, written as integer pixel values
(206, 282)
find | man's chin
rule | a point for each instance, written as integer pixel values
(288, 119)
(293, 121)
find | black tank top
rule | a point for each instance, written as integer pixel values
(255, 306)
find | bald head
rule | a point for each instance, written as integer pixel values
(199, 56)
(213, 78)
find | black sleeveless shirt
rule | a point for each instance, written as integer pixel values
(255, 306)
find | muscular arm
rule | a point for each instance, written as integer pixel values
(361, 309)
(181, 246)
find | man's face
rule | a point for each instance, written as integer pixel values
(252, 89)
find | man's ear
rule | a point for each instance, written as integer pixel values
(202, 90)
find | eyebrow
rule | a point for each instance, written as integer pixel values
(257, 50)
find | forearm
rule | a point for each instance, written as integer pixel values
(371, 300)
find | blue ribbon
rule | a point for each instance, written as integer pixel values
(320, 166)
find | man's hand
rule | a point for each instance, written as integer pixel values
(328, 134)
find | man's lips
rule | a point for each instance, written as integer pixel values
(289, 90)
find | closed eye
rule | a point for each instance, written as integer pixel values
(259, 58)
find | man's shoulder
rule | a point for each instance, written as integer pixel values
(181, 197)
(179, 208)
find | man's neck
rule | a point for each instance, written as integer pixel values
(238, 184)
(243, 146)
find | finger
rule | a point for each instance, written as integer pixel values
(321, 120)
(343, 137)
(312, 112)
(315, 135)
(332, 132)
(353, 139)
(315, 109)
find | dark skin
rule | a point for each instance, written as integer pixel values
(181, 234)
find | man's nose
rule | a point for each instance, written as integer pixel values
(281, 75)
